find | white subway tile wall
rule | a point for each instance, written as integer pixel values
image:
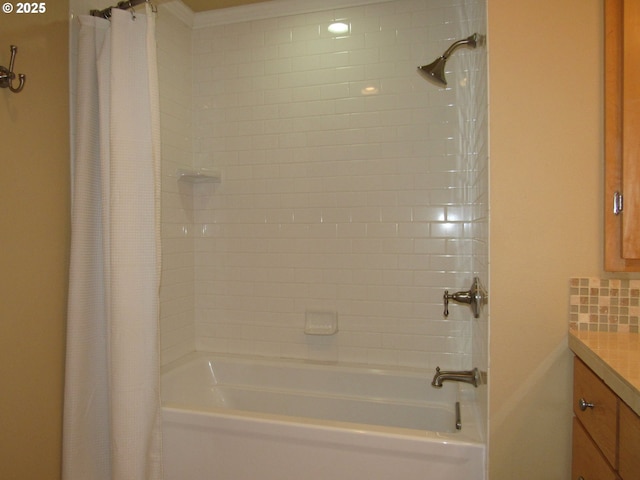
(177, 292)
(472, 103)
(346, 187)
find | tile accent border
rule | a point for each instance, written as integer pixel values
(604, 305)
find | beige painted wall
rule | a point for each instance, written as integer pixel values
(546, 143)
(34, 235)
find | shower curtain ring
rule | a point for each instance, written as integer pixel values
(154, 9)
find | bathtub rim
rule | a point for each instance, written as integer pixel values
(248, 358)
(471, 435)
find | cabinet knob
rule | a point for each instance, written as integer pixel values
(580, 477)
(583, 404)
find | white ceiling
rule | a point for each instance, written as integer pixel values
(203, 5)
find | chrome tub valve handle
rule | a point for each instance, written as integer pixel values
(476, 296)
(460, 297)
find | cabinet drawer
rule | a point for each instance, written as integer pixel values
(599, 420)
(629, 443)
(588, 463)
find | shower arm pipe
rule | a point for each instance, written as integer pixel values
(123, 5)
(471, 41)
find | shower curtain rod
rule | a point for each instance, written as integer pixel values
(124, 5)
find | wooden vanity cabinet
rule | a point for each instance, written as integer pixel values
(588, 461)
(606, 432)
(629, 461)
(599, 421)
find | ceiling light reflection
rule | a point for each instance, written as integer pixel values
(338, 28)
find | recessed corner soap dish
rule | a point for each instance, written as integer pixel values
(319, 322)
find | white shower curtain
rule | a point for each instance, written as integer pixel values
(112, 394)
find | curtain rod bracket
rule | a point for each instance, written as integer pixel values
(7, 75)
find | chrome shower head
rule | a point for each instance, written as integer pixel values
(435, 70)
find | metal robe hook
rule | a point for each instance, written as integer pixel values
(7, 75)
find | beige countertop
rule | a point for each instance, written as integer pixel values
(615, 358)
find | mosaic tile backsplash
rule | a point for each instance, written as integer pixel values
(605, 305)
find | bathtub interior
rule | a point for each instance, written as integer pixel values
(320, 392)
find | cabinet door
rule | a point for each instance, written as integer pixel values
(588, 463)
(599, 420)
(631, 130)
(622, 244)
(629, 443)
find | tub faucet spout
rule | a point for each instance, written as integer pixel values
(467, 376)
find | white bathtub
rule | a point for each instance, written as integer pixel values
(242, 418)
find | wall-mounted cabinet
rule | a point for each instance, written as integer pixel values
(622, 136)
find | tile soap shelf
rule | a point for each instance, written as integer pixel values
(199, 175)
